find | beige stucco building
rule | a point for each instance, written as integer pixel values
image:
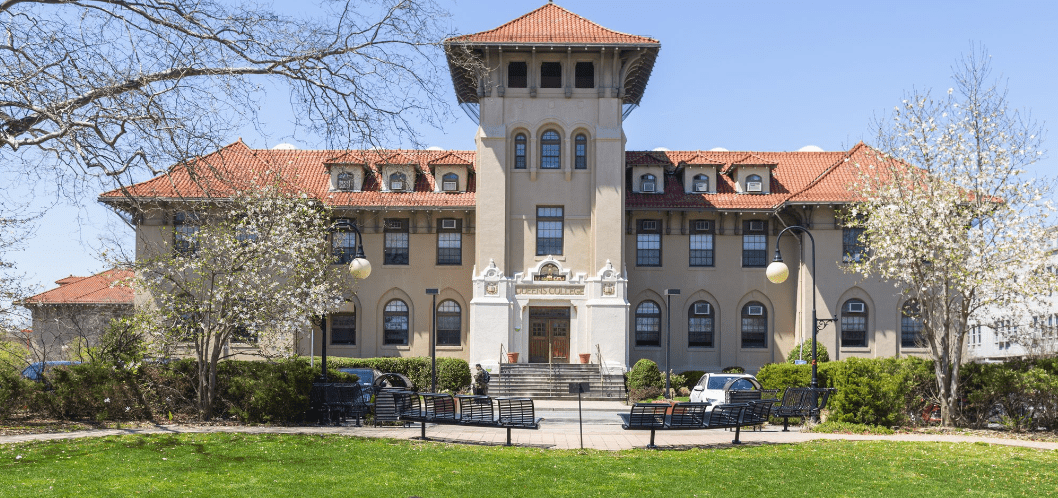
(550, 240)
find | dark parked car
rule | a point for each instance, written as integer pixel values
(367, 379)
(35, 371)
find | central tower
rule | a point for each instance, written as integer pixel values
(550, 90)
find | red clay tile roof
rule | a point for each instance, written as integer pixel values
(108, 287)
(553, 24)
(797, 177)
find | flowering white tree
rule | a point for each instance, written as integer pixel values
(950, 215)
(253, 269)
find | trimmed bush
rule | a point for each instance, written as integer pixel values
(822, 356)
(869, 391)
(453, 374)
(692, 377)
(644, 373)
(13, 391)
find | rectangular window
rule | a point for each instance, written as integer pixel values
(551, 75)
(450, 242)
(584, 72)
(851, 245)
(517, 75)
(343, 329)
(395, 250)
(700, 331)
(648, 243)
(343, 246)
(754, 244)
(701, 243)
(549, 227)
(185, 228)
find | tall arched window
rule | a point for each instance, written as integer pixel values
(648, 324)
(854, 324)
(449, 323)
(700, 325)
(550, 150)
(754, 325)
(581, 143)
(911, 325)
(701, 183)
(519, 151)
(395, 323)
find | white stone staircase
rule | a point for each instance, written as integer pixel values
(542, 380)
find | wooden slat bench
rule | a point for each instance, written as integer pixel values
(685, 416)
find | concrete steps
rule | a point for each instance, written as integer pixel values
(552, 381)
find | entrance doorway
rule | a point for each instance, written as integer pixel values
(548, 335)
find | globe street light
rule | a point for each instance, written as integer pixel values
(359, 268)
(778, 272)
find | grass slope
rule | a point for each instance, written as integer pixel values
(299, 465)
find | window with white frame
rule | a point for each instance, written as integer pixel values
(345, 181)
(549, 228)
(449, 242)
(550, 150)
(854, 324)
(648, 324)
(395, 249)
(700, 325)
(700, 184)
(398, 182)
(648, 183)
(395, 323)
(701, 243)
(581, 152)
(519, 151)
(852, 246)
(754, 326)
(185, 230)
(450, 182)
(754, 244)
(648, 243)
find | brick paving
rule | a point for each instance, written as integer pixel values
(602, 431)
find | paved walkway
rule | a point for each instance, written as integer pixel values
(602, 431)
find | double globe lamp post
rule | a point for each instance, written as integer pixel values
(359, 268)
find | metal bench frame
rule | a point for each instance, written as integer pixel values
(439, 408)
(685, 416)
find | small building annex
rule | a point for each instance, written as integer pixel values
(550, 240)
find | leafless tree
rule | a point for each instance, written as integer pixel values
(101, 93)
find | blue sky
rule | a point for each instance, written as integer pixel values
(745, 75)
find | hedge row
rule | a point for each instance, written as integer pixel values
(891, 392)
(248, 391)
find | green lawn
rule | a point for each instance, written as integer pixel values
(292, 465)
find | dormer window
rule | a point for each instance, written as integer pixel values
(754, 184)
(701, 183)
(397, 181)
(450, 182)
(648, 183)
(345, 181)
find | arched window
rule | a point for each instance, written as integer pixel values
(854, 324)
(450, 182)
(700, 325)
(519, 151)
(701, 183)
(345, 181)
(911, 325)
(449, 323)
(395, 323)
(581, 143)
(754, 184)
(550, 150)
(754, 325)
(397, 181)
(648, 324)
(648, 183)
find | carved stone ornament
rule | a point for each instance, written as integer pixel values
(609, 289)
(492, 289)
(492, 272)
(608, 272)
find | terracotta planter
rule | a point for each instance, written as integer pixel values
(512, 357)
(668, 411)
(585, 358)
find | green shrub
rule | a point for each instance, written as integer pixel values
(677, 381)
(733, 370)
(642, 393)
(256, 392)
(821, 352)
(692, 377)
(94, 391)
(453, 374)
(13, 392)
(869, 391)
(644, 373)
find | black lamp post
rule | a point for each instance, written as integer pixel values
(668, 336)
(359, 268)
(433, 339)
(777, 272)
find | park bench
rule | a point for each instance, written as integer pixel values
(439, 408)
(338, 401)
(685, 416)
(802, 402)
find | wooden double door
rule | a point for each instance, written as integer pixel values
(548, 335)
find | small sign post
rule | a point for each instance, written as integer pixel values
(580, 388)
